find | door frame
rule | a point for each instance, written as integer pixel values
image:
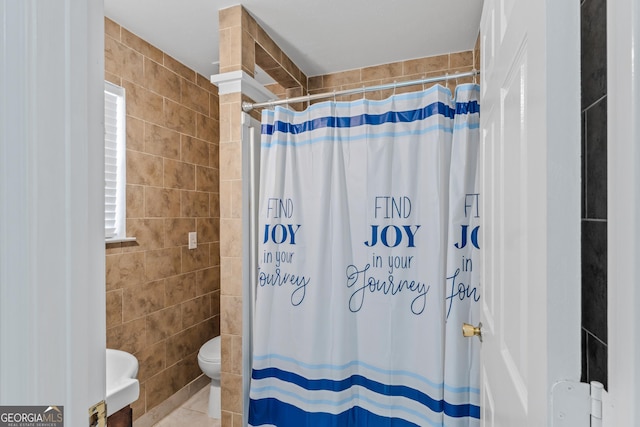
(52, 247)
(623, 189)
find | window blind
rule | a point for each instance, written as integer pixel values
(114, 162)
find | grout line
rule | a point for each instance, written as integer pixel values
(589, 333)
(585, 159)
(594, 103)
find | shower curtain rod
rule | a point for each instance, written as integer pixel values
(248, 106)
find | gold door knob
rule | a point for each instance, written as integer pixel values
(472, 331)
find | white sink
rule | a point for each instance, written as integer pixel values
(122, 386)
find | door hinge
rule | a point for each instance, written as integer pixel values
(577, 404)
(597, 390)
(98, 415)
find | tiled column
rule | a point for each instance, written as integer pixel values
(233, 87)
(231, 258)
(243, 45)
(235, 83)
(231, 222)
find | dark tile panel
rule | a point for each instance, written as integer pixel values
(593, 51)
(597, 355)
(593, 189)
(594, 278)
(585, 356)
(596, 160)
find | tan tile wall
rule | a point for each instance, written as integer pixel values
(163, 300)
(239, 30)
(413, 69)
(231, 238)
(233, 30)
(243, 45)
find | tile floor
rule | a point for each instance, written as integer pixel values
(192, 413)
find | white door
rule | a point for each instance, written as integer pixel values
(52, 250)
(530, 180)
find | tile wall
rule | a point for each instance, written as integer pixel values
(412, 69)
(163, 300)
(594, 190)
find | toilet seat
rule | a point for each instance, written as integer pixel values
(210, 351)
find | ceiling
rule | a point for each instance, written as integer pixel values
(320, 36)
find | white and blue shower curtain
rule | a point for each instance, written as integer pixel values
(369, 239)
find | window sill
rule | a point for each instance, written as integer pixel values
(120, 240)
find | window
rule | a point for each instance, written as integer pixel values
(114, 164)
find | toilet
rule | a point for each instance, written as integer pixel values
(209, 362)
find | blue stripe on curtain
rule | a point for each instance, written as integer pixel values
(334, 138)
(437, 108)
(359, 397)
(456, 411)
(354, 363)
(284, 415)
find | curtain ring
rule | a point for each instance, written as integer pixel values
(423, 79)
(475, 74)
(394, 87)
(364, 92)
(334, 95)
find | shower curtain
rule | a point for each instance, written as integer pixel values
(368, 263)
